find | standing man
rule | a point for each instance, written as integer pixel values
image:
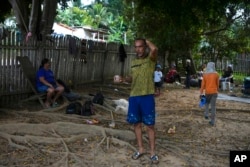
(188, 74)
(210, 87)
(141, 100)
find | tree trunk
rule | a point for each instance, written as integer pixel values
(48, 17)
(35, 16)
(20, 9)
(41, 20)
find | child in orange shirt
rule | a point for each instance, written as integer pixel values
(210, 87)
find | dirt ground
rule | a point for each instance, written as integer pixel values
(32, 137)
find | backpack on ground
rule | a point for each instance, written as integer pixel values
(74, 108)
(66, 88)
(87, 108)
(98, 98)
(71, 96)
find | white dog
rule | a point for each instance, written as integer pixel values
(121, 106)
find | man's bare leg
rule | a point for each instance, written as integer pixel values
(151, 136)
(138, 135)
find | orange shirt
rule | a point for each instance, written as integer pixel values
(210, 83)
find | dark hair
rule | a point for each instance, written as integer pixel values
(44, 61)
(230, 68)
(141, 39)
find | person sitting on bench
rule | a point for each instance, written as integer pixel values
(227, 75)
(46, 82)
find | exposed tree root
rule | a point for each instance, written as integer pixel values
(17, 137)
(49, 137)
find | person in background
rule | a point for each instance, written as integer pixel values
(173, 75)
(227, 76)
(158, 80)
(188, 74)
(45, 82)
(141, 101)
(200, 74)
(210, 87)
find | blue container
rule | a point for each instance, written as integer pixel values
(202, 101)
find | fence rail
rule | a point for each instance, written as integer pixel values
(241, 64)
(73, 60)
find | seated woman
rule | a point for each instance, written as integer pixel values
(45, 82)
(172, 75)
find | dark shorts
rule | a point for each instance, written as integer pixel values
(158, 84)
(141, 110)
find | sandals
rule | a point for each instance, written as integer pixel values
(154, 159)
(137, 155)
(46, 105)
(55, 105)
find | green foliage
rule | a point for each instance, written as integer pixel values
(118, 31)
(179, 26)
(97, 16)
(239, 77)
(224, 39)
(5, 10)
(75, 16)
(100, 14)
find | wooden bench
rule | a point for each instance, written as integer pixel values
(30, 74)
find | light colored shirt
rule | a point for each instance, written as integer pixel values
(157, 76)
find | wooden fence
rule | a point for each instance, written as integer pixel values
(73, 60)
(241, 64)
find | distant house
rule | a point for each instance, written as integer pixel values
(82, 32)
